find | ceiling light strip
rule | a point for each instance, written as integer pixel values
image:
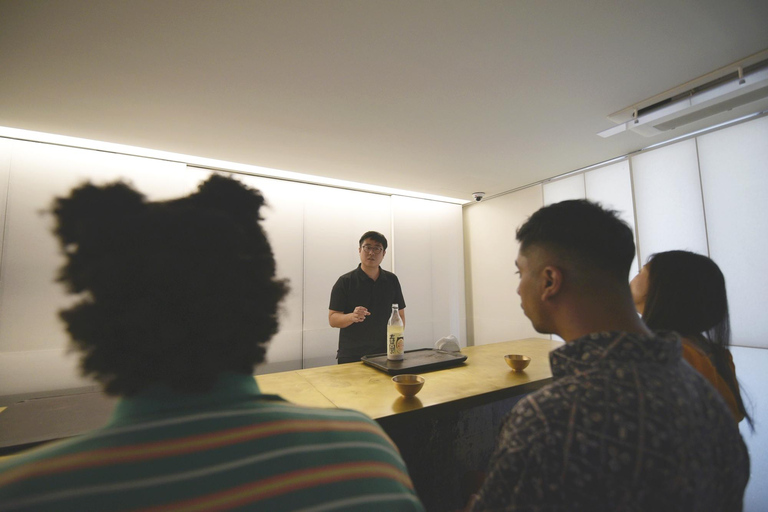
(210, 163)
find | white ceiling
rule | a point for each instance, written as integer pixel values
(442, 97)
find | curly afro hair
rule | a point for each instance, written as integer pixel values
(173, 292)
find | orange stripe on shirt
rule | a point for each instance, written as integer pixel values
(286, 483)
(181, 446)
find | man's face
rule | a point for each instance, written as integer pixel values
(529, 267)
(371, 253)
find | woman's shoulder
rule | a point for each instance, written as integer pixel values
(696, 352)
(702, 362)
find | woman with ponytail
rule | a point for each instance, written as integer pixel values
(685, 292)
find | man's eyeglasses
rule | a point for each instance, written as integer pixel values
(375, 249)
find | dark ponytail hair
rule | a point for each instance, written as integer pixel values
(686, 293)
(171, 292)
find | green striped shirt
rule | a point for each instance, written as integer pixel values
(231, 449)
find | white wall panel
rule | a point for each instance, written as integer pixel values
(670, 214)
(5, 169)
(313, 231)
(334, 220)
(750, 371)
(32, 371)
(449, 311)
(611, 186)
(284, 226)
(430, 265)
(564, 189)
(491, 249)
(411, 224)
(734, 173)
(29, 297)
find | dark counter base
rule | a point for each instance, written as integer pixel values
(448, 452)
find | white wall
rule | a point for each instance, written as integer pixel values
(734, 175)
(670, 212)
(5, 169)
(564, 189)
(284, 225)
(734, 179)
(706, 194)
(426, 235)
(610, 185)
(33, 344)
(494, 312)
(313, 230)
(750, 368)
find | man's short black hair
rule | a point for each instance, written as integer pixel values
(583, 233)
(375, 236)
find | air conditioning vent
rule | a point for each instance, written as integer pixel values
(728, 93)
(713, 109)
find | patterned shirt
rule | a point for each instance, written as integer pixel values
(626, 425)
(230, 449)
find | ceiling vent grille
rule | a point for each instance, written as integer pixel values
(734, 91)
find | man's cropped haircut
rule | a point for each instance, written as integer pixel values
(584, 233)
(375, 236)
(171, 292)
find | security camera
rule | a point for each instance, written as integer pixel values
(478, 196)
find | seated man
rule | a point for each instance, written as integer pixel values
(177, 302)
(626, 424)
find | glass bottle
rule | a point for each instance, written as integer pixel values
(395, 343)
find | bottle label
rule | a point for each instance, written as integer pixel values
(395, 346)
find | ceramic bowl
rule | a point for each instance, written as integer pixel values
(517, 362)
(408, 385)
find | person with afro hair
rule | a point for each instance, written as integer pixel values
(176, 301)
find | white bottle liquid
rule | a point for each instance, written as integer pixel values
(395, 341)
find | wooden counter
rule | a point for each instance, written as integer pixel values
(446, 433)
(483, 378)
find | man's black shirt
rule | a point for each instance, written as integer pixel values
(357, 289)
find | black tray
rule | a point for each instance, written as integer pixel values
(414, 361)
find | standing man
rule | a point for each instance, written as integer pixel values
(626, 423)
(361, 302)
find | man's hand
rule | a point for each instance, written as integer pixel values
(339, 319)
(359, 314)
